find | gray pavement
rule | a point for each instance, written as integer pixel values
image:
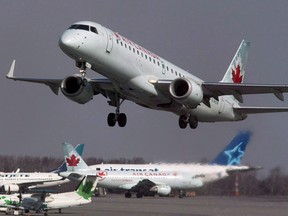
(117, 205)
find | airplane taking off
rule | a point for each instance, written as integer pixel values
(136, 74)
(160, 178)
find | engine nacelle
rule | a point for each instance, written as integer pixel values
(186, 92)
(31, 204)
(77, 89)
(162, 190)
(11, 188)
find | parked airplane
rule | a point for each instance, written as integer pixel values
(160, 179)
(44, 202)
(23, 181)
(136, 74)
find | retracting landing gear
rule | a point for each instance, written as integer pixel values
(191, 119)
(116, 117)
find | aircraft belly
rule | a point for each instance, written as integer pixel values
(217, 112)
(139, 90)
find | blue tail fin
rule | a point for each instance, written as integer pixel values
(62, 168)
(234, 152)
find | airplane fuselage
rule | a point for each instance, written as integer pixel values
(15, 181)
(133, 70)
(176, 176)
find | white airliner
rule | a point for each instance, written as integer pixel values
(136, 74)
(44, 202)
(161, 179)
(22, 181)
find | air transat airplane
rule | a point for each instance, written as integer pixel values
(44, 202)
(23, 181)
(161, 179)
(136, 74)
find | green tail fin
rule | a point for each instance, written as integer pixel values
(87, 187)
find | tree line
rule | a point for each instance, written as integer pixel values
(275, 184)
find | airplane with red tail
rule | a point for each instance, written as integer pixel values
(137, 74)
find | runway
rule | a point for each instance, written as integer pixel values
(117, 205)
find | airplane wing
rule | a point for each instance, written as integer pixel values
(99, 85)
(237, 90)
(217, 89)
(144, 185)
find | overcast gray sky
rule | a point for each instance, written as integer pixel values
(199, 36)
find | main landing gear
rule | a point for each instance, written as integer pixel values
(184, 120)
(116, 117)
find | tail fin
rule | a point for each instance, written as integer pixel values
(74, 161)
(87, 187)
(62, 168)
(236, 70)
(234, 152)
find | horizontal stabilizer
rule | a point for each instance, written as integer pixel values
(256, 110)
(242, 169)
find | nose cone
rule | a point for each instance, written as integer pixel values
(67, 42)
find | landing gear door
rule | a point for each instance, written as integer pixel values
(109, 46)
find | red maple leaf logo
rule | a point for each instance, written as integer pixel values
(236, 76)
(102, 175)
(72, 161)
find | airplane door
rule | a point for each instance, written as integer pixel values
(109, 46)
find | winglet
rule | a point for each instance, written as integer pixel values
(11, 71)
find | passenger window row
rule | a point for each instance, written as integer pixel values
(148, 58)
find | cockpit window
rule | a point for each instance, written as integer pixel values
(93, 29)
(84, 27)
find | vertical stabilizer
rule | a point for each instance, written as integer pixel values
(234, 152)
(74, 161)
(62, 168)
(236, 70)
(87, 187)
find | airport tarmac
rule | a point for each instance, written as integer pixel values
(117, 205)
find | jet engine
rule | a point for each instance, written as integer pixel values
(31, 204)
(11, 188)
(77, 89)
(162, 190)
(186, 92)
